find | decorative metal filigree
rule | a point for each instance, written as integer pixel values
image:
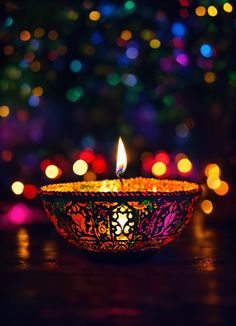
(116, 223)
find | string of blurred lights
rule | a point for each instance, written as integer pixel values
(161, 165)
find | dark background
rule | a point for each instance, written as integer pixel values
(156, 99)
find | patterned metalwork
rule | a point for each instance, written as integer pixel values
(115, 221)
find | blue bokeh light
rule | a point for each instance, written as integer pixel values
(129, 79)
(88, 142)
(178, 29)
(33, 100)
(96, 38)
(206, 50)
(106, 9)
(132, 53)
(24, 63)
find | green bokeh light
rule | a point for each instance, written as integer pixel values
(74, 94)
(129, 5)
(113, 79)
(168, 100)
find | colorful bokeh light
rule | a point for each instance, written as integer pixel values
(184, 165)
(30, 191)
(212, 11)
(4, 111)
(80, 167)
(206, 50)
(94, 15)
(223, 189)
(52, 171)
(212, 169)
(25, 35)
(17, 187)
(159, 169)
(227, 7)
(200, 11)
(155, 43)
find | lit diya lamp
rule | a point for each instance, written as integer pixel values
(121, 215)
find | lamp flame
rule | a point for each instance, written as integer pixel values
(121, 162)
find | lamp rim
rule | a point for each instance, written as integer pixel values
(70, 188)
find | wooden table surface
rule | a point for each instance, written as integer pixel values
(46, 281)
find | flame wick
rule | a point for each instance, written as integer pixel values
(121, 181)
(119, 173)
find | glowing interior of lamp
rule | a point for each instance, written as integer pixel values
(129, 185)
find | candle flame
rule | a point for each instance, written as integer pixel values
(121, 162)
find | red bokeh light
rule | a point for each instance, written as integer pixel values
(121, 43)
(44, 164)
(184, 13)
(178, 42)
(162, 157)
(87, 155)
(52, 55)
(147, 163)
(184, 3)
(7, 155)
(30, 191)
(99, 165)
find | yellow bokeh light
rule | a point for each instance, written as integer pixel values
(52, 35)
(212, 169)
(228, 7)
(210, 77)
(17, 187)
(52, 171)
(94, 15)
(25, 35)
(212, 11)
(207, 206)
(213, 181)
(90, 176)
(184, 165)
(200, 11)
(222, 189)
(4, 111)
(80, 167)
(35, 66)
(73, 15)
(37, 91)
(39, 32)
(158, 169)
(126, 35)
(147, 34)
(155, 43)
